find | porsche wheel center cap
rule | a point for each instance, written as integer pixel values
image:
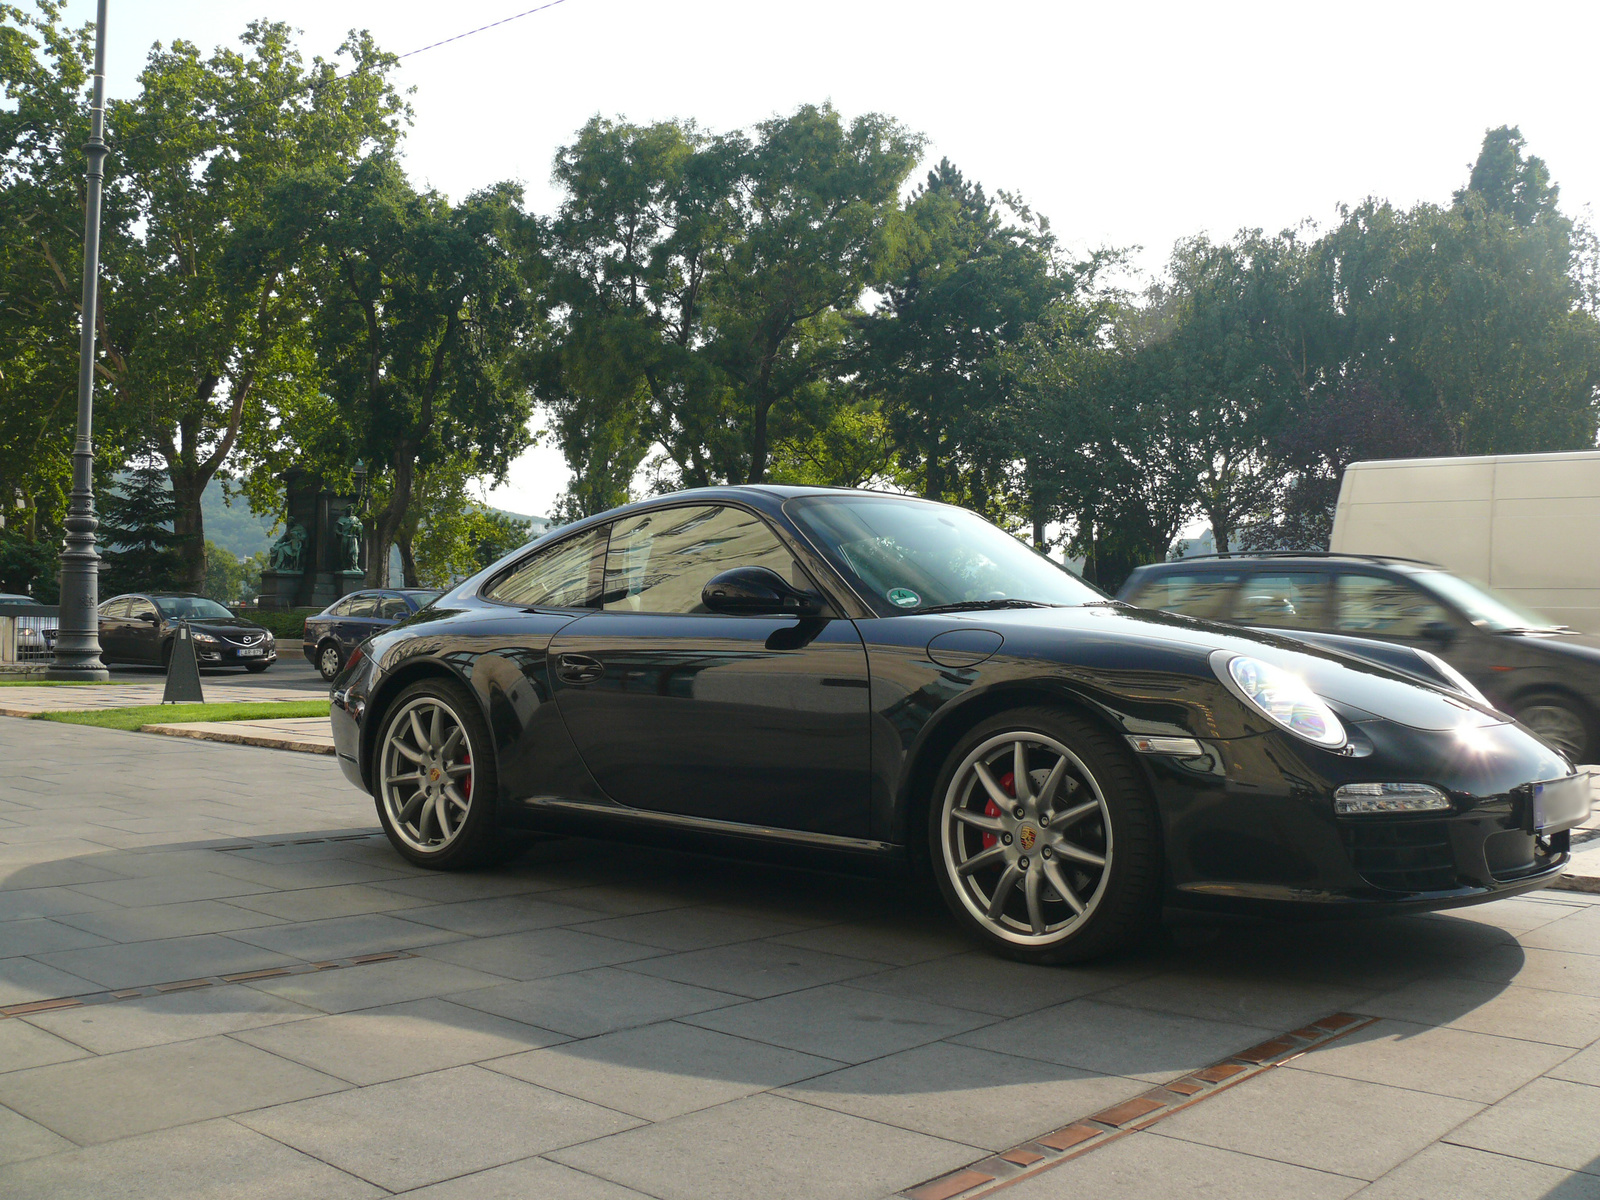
(1026, 836)
(433, 775)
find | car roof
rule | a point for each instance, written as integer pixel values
(1222, 562)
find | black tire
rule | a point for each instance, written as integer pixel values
(330, 660)
(1101, 807)
(475, 839)
(1565, 724)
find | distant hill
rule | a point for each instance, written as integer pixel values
(234, 526)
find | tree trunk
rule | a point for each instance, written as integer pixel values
(387, 522)
(758, 443)
(189, 524)
(1221, 527)
(408, 561)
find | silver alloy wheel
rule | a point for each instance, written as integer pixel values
(1029, 861)
(1557, 726)
(328, 661)
(426, 774)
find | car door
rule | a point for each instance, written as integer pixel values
(142, 632)
(761, 720)
(1283, 598)
(357, 622)
(1392, 609)
(113, 630)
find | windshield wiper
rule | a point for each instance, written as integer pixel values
(982, 605)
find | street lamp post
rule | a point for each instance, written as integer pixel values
(77, 650)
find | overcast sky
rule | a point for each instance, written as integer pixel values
(1126, 124)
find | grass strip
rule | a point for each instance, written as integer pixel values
(172, 714)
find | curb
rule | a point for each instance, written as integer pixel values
(240, 739)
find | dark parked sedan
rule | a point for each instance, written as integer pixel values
(337, 630)
(1545, 675)
(140, 629)
(900, 681)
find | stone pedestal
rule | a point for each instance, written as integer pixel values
(325, 573)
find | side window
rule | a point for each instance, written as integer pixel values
(393, 608)
(341, 609)
(559, 576)
(658, 562)
(1283, 600)
(1377, 606)
(362, 606)
(140, 609)
(1192, 593)
(114, 608)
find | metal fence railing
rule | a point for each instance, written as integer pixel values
(27, 632)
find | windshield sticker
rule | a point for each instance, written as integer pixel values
(904, 598)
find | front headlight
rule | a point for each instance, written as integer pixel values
(1283, 696)
(205, 639)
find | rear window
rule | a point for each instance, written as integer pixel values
(1192, 593)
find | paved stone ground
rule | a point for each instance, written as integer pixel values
(596, 1022)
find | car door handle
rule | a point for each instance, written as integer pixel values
(578, 668)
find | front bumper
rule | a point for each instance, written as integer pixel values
(226, 654)
(1256, 828)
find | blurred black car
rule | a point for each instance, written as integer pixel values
(140, 628)
(807, 670)
(333, 633)
(1545, 675)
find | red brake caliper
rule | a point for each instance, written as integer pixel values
(466, 788)
(1008, 782)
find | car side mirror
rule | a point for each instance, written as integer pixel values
(150, 617)
(755, 591)
(1439, 632)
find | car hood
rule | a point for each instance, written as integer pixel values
(1365, 690)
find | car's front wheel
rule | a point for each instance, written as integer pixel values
(434, 777)
(329, 661)
(1044, 838)
(1558, 721)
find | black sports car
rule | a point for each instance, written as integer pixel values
(900, 680)
(137, 628)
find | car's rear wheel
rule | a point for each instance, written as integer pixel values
(1044, 838)
(1559, 722)
(329, 661)
(434, 778)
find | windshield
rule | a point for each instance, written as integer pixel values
(1483, 607)
(912, 556)
(191, 608)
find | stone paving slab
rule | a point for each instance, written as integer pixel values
(600, 1022)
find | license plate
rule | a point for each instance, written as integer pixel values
(1560, 804)
(252, 652)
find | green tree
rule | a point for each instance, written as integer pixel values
(139, 548)
(968, 280)
(224, 575)
(204, 330)
(422, 310)
(704, 282)
(43, 125)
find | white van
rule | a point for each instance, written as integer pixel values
(1527, 525)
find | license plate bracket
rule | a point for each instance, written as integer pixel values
(1558, 804)
(252, 652)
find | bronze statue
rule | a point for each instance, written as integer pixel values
(288, 553)
(348, 528)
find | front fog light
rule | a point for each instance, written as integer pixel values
(1361, 799)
